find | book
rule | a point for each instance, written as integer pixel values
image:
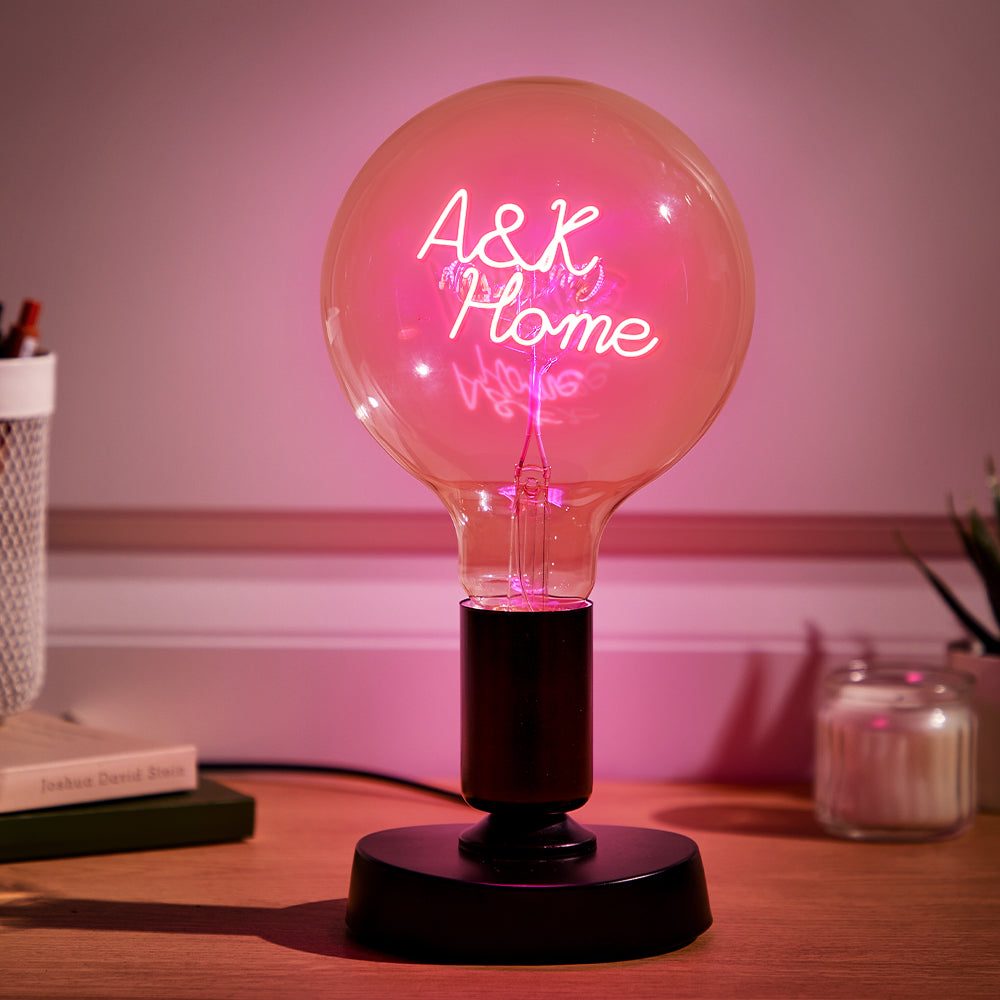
(212, 813)
(47, 761)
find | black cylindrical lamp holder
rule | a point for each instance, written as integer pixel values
(527, 729)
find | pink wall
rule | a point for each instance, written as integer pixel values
(171, 171)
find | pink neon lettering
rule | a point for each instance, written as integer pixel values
(471, 280)
(618, 334)
(537, 325)
(530, 325)
(578, 220)
(502, 232)
(461, 196)
(563, 228)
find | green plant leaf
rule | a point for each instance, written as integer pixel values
(984, 543)
(993, 482)
(983, 553)
(968, 620)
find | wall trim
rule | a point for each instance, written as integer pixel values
(72, 529)
(703, 667)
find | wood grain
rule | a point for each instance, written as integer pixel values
(797, 914)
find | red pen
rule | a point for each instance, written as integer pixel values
(22, 339)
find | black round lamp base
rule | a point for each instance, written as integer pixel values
(414, 893)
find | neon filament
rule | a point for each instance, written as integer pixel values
(563, 228)
(510, 320)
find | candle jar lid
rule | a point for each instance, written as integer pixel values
(895, 752)
(900, 685)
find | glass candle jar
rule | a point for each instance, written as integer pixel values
(895, 753)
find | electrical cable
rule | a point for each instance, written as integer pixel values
(349, 772)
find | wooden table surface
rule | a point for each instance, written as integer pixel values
(797, 914)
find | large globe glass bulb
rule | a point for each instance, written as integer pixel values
(537, 295)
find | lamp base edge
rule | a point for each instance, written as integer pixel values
(414, 894)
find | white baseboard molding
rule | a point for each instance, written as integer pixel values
(704, 668)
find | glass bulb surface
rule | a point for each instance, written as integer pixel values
(537, 295)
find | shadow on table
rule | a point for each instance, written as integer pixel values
(795, 821)
(318, 928)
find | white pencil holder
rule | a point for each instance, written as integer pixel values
(27, 399)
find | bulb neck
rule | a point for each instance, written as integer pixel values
(496, 532)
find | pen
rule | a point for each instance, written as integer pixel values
(21, 341)
(22, 338)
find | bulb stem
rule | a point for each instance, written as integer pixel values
(529, 542)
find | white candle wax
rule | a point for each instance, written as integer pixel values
(894, 757)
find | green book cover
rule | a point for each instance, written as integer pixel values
(211, 813)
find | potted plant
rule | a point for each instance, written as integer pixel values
(979, 655)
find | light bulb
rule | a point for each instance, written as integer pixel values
(537, 295)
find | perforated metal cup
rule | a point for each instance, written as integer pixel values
(27, 396)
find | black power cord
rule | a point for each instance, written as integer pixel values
(349, 772)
